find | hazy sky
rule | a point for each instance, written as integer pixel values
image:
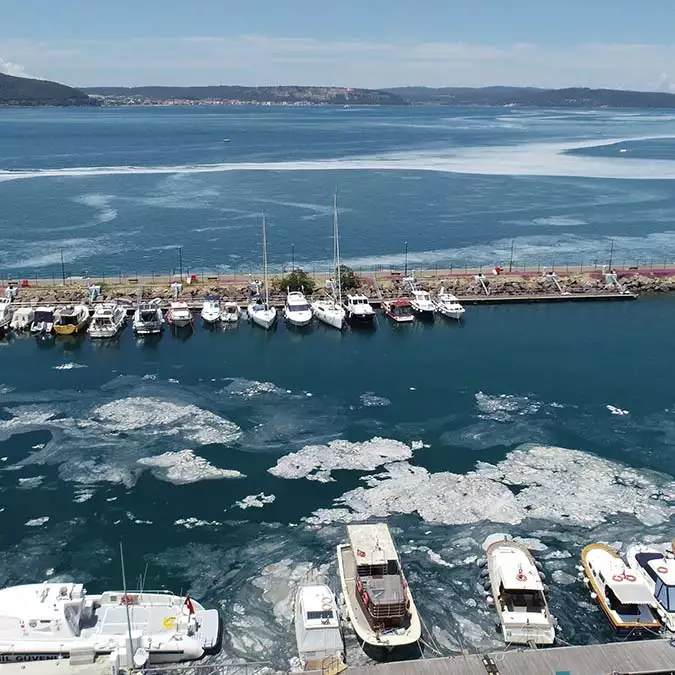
(367, 43)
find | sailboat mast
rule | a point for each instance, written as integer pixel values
(126, 597)
(267, 293)
(336, 250)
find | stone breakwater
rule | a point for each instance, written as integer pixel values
(376, 286)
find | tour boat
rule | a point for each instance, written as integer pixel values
(43, 321)
(61, 620)
(296, 310)
(6, 313)
(179, 314)
(108, 320)
(358, 309)
(378, 601)
(517, 592)
(71, 320)
(148, 319)
(22, 319)
(421, 304)
(448, 305)
(211, 309)
(399, 311)
(230, 312)
(655, 564)
(259, 311)
(330, 310)
(622, 595)
(317, 629)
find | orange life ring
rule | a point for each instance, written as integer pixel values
(127, 599)
(521, 577)
(364, 597)
(618, 577)
(629, 577)
(662, 569)
(325, 622)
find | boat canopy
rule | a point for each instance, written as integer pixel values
(46, 315)
(630, 592)
(372, 544)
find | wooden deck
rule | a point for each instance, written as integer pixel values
(617, 658)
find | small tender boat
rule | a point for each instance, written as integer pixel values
(230, 312)
(296, 310)
(61, 620)
(317, 629)
(108, 320)
(378, 601)
(22, 319)
(71, 320)
(399, 311)
(358, 309)
(148, 319)
(211, 309)
(43, 321)
(448, 305)
(518, 593)
(655, 564)
(622, 595)
(6, 314)
(179, 315)
(421, 304)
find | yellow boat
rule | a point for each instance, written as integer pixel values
(71, 320)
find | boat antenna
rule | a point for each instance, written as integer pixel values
(126, 597)
(267, 293)
(336, 250)
(145, 574)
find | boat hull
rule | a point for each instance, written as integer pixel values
(298, 319)
(366, 319)
(71, 329)
(148, 328)
(330, 315)
(359, 621)
(265, 318)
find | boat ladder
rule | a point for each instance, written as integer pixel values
(552, 276)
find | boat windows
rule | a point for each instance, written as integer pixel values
(665, 595)
(643, 559)
(47, 317)
(521, 601)
(324, 614)
(379, 570)
(615, 605)
(298, 308)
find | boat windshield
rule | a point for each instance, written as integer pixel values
(665, 596)
(324, 614)
(43, 316)
(298, 308)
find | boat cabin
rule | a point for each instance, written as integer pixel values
(43, 315)
(148, 313)
(317, 625)
(380, 586)
(70, 316)
(400, 310)
(520, 586)
(661, 570)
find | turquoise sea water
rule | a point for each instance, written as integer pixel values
(553, 423)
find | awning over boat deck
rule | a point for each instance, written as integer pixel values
(112, 620)
(631, 592)
(372, 544)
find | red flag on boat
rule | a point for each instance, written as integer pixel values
(189, 605)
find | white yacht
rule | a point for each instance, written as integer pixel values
(518, 593)
(377, 597)
(448, 305)
(317, 629)
(179, 314)
(296, 310)
(71, 320)
(43, 321)
(108, 320)
(358, 309)
(421, 304)
(230, 312)
(22, 319)
(60, 620)
(330, 310)
(259, 310)
(6, 313)
(655, 564)
(622, 595)
(148, 318)
(211, 309)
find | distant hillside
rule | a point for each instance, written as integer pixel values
(575, 97)
(222, 93)
(22, 91)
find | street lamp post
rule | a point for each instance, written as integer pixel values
(405, 270)
(63, 269)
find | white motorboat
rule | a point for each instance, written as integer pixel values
(317, 629)
(448, 305)
(623, 596)
(179, 315)
(108, 320)
(296, 310)
(61, 620)
(6, 313)
(22, 319)
(518, 593)
(71, 320)
(43, 321)
(421, 304)
(330, 310)
(655, 564)
(148, 318)
(259, 310)
(230, 312)
(375, 592)
(211, 309)
(358, 309)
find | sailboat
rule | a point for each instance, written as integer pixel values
(330, 311)
(258, 311)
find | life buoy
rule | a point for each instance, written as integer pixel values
(618, 577)
(360, 553)
(325, 622)
(364, 597)
(127, 599)
(662, 569)
(629, 577)
(169, 623)
(521, 577)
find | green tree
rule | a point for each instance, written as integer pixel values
(348, 278)
(297, 280)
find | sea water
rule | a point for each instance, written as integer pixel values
(229, 461)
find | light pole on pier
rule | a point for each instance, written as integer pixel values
(511, 258)
(611, 253)
(63, 269)
(293, 257)
(180, 262)
(405, 269)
